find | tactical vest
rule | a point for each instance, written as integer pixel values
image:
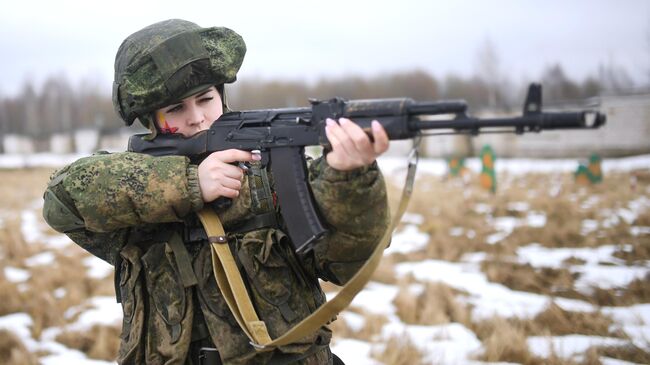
(185, 238)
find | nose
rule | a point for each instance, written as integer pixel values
(195, 117)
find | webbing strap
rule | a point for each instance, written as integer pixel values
(230, 281)
(183, 260)
(234, 291)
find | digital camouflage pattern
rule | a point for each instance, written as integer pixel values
(139, 181)
(169, 60)
(110, 207)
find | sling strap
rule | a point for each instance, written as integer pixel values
(234, 291)
(230, 281)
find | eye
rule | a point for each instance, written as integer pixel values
(206, 99)
(175, 108)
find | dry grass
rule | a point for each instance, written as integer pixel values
(591, 357)
(400, 351)
(25, 186)
(13, 351)
(573, 261)
(445, 205)
(638, 254)
(38, 298)
(14, 247)
(12, 299)
(341, 328)
(524, 277)
(558, 322)
(450, 203)
(372, 328)
(99, 342)
(503, 341)
(628, 353)
(642, 219)
(637, 291)
(385, 272)
(559, 282)
(437, 304)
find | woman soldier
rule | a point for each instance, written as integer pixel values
(137, 211)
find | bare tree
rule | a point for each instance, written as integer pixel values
(56, 101)
(30, 119)
(557, 86)
(614, 78)
(489, 70)
(4, 123)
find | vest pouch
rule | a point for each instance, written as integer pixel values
(209, 293)
(224, 329)
(271, 280)
(170, 319)
(131, 294)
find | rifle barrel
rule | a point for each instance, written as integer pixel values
(534, 122)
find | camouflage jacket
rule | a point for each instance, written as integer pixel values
(129, 209)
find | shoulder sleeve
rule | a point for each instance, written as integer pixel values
(355, 206)
(106, 192)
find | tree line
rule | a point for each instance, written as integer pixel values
(58, 107)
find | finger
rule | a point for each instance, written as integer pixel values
(234, 155)
(359, 138)
(232, 172)
(228, 192)
(380, 137)
(363, 148)
(347, 146)
(229, 183)
(338, 138)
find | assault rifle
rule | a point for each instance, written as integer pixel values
(282, 134)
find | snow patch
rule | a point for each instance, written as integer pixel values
(97, 268)
(16, 275)
(567, 346)
(410, 239)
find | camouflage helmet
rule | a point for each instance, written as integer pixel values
(171, 60)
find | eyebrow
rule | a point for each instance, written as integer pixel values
(171, 106)
(203, 93)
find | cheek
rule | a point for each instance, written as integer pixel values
(214, 112)
(218, 110)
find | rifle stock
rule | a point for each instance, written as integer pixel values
(285, 132)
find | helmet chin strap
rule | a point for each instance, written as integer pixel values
(149, 122)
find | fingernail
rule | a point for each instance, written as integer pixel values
(344, 121)
(330, 122)
(257, 156)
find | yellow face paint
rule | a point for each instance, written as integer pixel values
(161, 118)
(162, 123)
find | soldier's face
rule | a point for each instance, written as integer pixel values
(192, 114)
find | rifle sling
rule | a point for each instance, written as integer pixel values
(234, 291)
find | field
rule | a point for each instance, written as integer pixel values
(544, 271)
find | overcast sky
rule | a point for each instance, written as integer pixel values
(306, 40)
